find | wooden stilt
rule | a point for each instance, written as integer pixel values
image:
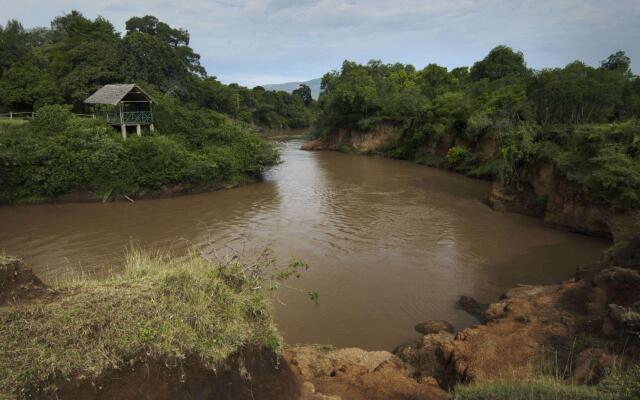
(152, 128)
(138, 131)
(123, 129)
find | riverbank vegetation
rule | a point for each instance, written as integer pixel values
(67, 62)
(500, 119)
(159, 309)
(59, 154)
(205, 135)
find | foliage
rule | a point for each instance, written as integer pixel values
(622, 384)
(76, 55)
(58, 154)
(459, 158)
(582, 119)
(538, 390)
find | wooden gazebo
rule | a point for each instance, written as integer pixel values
(123, 105)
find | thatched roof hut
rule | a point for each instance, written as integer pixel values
(124, 105)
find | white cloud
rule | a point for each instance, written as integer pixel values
(262, 41)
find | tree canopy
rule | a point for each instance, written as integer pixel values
(572, 113)
(75, 56)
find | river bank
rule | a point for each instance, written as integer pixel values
(364, 225)
(543, 191)
(100, 339)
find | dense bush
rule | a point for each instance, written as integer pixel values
(58, 154)
(581, 118)
(77, 55)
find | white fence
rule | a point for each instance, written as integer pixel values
(17, 115)
(26, 115)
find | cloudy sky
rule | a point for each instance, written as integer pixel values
(272, 41)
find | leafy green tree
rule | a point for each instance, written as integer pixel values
(26, 85)
(618, 61)
(501, 62)
(14, 45)
(304, 92)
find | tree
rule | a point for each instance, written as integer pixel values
(14, 44)
(176, 39)
(304, 92)
(618, 61)
(26, 86)
(501, 62)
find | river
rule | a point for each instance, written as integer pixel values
(389, 243)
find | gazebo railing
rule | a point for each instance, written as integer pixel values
(128, 117)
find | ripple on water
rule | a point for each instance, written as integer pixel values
(390, 243)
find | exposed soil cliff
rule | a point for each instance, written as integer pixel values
(564, 204)
(544, 192)
(353, 140)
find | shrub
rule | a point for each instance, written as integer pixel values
(52, 119)
(58, 154)
(459, 158)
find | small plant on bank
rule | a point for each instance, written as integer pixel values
(459, 158)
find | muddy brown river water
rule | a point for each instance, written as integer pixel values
(389, 243)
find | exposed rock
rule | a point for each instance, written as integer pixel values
(520, 291)
(425, 355)
(628, 256)
(505, 199)
(433, 326)
(358, 374)
(470, 305)
(591, 365)
(312, 145)
(619, 284)
(534, 318)
(546, 193)
(627, 316)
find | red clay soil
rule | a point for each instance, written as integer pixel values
(301, 373)
(535, 325)
(356, 374)
(252, 374)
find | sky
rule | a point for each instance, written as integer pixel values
(254, 42)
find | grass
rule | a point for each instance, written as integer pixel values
(159, 308)
(4, 121)
(536, 390)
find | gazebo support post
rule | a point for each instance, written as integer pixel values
(123, 129)
(138, 132)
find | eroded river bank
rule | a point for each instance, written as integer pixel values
(390, 243)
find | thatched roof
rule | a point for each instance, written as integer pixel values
(113, 94)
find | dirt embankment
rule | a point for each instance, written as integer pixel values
(19, 284)
(353, 140)
(580, 330)
(545, 194)
(563, 204)
(300, 372)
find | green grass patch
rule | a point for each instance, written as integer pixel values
(158, 308)
(4, 121)
(538, 390)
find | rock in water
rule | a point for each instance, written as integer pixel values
(433, 326)
(470, 305)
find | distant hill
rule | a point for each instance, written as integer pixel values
(313, 84)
